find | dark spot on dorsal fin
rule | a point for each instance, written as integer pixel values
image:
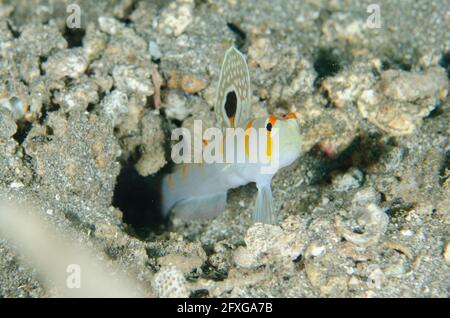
(231, 104)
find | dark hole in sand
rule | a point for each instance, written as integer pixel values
(42, 60)
(362, 153)
(139, 200)
(397, 208)
(48, 108)
(126, 19)
(15, 33)
(326, 64)
(435, 112)
(444, 167)
(23, 128)
(396, 64)
(445, 62)
(200, 293)
(210, 272)
(241, 37)
(176, 122)
(74, 36)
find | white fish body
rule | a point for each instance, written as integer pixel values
(200, 190)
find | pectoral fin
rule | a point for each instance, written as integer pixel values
(264, 207)
(200, 207)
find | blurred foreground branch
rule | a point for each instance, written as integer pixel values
(73, 270)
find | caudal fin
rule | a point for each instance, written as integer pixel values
(264, 207)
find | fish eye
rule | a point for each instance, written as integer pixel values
(269, 126)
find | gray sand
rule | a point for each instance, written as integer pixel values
(85, 121)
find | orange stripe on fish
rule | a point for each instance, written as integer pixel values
(247, 137)
(232, 122)
(270, 124)
(272, 120)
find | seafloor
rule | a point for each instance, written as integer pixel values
(85, 121)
